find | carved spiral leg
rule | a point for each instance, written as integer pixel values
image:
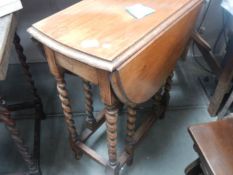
(65, 102)
(26, 70)
(166, 95)
(131, 124)
(111, 121)
(5, 116)
(90, 120)
(37, 100)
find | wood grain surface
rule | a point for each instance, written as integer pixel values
(215, 143)
(139, 79)
(103, 29)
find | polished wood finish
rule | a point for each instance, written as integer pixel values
(66, 29)
(87, 72)
(129, 59)
(150, 67)
(214, 142)
(117, 43)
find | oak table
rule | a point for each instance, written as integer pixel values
(8, 37)
(128, 59)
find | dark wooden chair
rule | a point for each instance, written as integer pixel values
(214, 144)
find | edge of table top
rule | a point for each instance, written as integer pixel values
(214, 126)
(120, 59)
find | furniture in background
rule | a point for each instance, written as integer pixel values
(214, 144)
(130, 60)
(221, 99)
(8, 36)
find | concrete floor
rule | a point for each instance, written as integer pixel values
(166, 150)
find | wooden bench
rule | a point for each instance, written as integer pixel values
(214, 144)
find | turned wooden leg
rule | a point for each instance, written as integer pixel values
(65, 102)
(90, 120)
(166, 94)
(111, 121)
(58, 73)
(5, 117)
(26, 70)
(131, 124)
(37, 100)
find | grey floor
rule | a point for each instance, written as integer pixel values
(166, 150)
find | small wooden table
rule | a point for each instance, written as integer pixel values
(8, 37)
(129, 59)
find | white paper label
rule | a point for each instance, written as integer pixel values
(139, 11)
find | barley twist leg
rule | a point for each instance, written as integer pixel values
(26, 69)
(90, 120)
(65, 102)
(131, 124)
(5, 117)
(111, 122)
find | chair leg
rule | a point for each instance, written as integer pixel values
(5, 117)
(131, 125)
(111, 122)
(90, 120)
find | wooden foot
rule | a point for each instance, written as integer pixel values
(5, 117)
(112, 169)
(90, 120)
(111, 121)
(131, 124)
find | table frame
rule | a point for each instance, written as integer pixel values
(58, 67)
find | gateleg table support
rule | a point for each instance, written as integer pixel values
(90, 120)
(131, 127)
